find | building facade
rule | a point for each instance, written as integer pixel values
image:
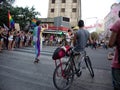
(111, 18)
(65, 8)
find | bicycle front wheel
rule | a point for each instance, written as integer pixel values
(63, 76)
(89, 66)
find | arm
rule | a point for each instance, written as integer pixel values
(114, 30)
(74, 39)
(112, 39)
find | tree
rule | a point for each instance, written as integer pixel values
(5, 5)
(20, 15)
(23, 16)
(94, 36)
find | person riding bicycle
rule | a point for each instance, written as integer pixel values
(81, 38)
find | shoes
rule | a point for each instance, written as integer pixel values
(36, 60)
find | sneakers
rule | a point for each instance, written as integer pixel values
(36, 60)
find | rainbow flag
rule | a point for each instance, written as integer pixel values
(11, 21)
(34, 22)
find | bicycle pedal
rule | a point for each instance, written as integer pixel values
(79, 73)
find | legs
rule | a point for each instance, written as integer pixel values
(116, 78)
(37, 51)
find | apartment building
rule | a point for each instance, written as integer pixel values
(111, 18)
(65, 8)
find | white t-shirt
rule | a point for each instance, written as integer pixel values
(68, 37)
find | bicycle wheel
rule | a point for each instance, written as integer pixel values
(89, 66)
(63, 76)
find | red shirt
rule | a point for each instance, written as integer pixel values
(116, 28)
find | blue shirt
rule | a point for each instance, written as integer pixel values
(82, 38)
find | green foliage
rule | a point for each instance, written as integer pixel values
(94, 36)
(20, 15)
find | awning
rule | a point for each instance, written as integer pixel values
(54, 31)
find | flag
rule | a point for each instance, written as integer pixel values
(6, 28)
(34, 22)
(11, 21)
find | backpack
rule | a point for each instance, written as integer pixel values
(61, 52)
(58, 53)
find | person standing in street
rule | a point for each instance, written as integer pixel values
(115, 41)
(36, 40)
(69, 37)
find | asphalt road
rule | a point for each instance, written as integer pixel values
(18, 72)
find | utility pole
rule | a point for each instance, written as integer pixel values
(58, 16)
(79, 10)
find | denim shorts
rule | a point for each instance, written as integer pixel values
(116, 78)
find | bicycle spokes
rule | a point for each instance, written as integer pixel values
(63, 77)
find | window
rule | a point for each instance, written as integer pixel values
(74, 1)
(74, 10)
(66, 19)
(52, 10)
(53, 1)
(62, 9)
(63, 1)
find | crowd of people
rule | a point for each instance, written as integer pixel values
(10, 39)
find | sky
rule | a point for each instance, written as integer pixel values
(92, 10)
(40, 5)
(96, 8)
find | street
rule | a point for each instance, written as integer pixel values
(18, 72)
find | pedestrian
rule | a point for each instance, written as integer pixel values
(115, 41)
(69, 37)
(1, 38)
(36, 40)
(81, 37)
(10, 39)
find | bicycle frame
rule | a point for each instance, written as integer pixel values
(71, 61)
(67, 70)
(60, 62)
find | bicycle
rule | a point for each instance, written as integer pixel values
(69, 69)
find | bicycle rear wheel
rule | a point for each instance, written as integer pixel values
(89, 66)
(63, 76)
